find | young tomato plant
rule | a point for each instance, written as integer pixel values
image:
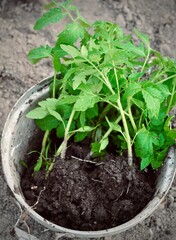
(109, 89)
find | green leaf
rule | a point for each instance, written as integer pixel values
(83, 129)
(158, 160)
(85, 101)
(144, 143)
(37, 113)
(67, 99)
(95, 57)
(153, 99)
(70, 34)
(138, 103)
(164, 90)
(37, 54)
(60, 131)
(130, 47)
(131, 90)
(81, 76)
(80, 136)
(52, 16)
(82, 118)
(72, 51)
(159, 140)
(92, 112)
(117, 56)
(56, 115)
(145, 162)
(49, 102)
(84, 51)
(47, 123)
(83, 21)
(112, 98)
(135, 76)
(160, 119)
(64, 110)
(57, 62)
(114, 126)
(170, 136)
(103, 144)
(98, 134)
(78, 79)
(76, 116)
(95, 147)
(67, 77)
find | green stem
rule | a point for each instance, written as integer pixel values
(70, 16)
(44, 149)
(146, 60)
(164, 80)
(171, 99)
(50, 168)
(140, 120)
(44, 142)
(113, 105)
(122, 112)
(117, 81)
(59, 150)
(54, 85)
(128, 138)
(66, 136)
(131, 115)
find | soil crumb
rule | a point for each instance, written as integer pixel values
(89, 195)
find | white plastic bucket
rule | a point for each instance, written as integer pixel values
(17, 136)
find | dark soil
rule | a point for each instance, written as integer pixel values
(89, 195)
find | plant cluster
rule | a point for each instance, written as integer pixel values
(114, 91)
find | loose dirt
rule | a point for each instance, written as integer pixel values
(89, 195)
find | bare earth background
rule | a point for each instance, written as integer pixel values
(17, 37)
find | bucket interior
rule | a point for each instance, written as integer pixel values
(21, 135)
